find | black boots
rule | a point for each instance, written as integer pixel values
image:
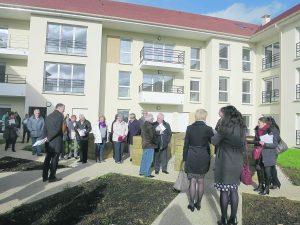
(259, 188)
(232, 221)
(265, 191)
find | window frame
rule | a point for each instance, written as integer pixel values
(192, 91)
(5, 44)
(198, 60)
(227, 91)
(122, 86)
(226, 59)
(246, 61)
(247, 93)
(125, 52)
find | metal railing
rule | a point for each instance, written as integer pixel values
(297, 137)
(162, 55)
(270, 96)
(298, 91)
(65, 46)
(161, 88)
(298, 50)
(271, 61)
(63, 85)
(12, 79)
(14, 41)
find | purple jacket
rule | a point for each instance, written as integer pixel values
(134, 129)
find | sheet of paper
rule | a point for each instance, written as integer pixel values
(39, 142)
(162, 127)
(267, 138)
(11, 121)
(82, 132)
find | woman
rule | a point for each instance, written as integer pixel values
(25, 129)
(100, 131)
(10, 132)
(230, 141)
(71, 124)
(120, 131)
(196, 155)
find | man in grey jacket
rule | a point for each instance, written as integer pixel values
(35, 126)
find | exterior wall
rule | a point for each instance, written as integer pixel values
(15, 103)
(87, 103)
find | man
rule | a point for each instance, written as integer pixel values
(164, 134)
(134, 129)
(83, 128)
(25, 129)
(35, 126)
(4, 118)
(72, 136)
(53, 131)
(18, 118)
(142, 119)
(149, 144)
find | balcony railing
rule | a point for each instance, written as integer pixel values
(298, 91)
(270, 96)
(271, 61)
(14, 41)
(298, 49)
(12, 79)
(162, 55)
(63, 85)
(297, 137)
(65, 46)
(161, 88)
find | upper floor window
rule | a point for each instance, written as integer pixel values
(271, 90)
(66, 39)
(124, 84)
(125, 51)
(297, 42)
(246, 92)
(66, 78)
(223, 56)
(3, 37)
(247, 120)
(272, 56)
(159, 52)
(246, 60)
(223, 89)
(158, 83)
(298, 84)
(195, 59)
(195, 90)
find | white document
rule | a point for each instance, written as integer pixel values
(82, 132)
(162, 127)
(11, 121)
(40, 142)
(267, 138)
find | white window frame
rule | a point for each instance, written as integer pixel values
(122, 86)
(122, 61)
(223, 91)
(226, 59)
(162, 58)
(4, 41)
(247, 61)
(195, 59)
(193, 91)
(247, 93)
(249, 120)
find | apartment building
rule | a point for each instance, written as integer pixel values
(109, 57)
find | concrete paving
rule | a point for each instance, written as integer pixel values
(18, 188)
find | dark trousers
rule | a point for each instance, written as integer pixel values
(161, 159)
(50, 162)
(118, 148)
(9, 141)
(26, 132)
(84, 145)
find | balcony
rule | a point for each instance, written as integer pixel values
(159, 94)
(64, 86)
(298, 91)
(298, 50)
(271, 61)
(162, 59)
(270, 96)
(14, 46)
(297, 137)
(64, 46)
(12, 85)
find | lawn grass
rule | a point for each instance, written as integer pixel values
(258, 210)
(2, 141)
(110, 199)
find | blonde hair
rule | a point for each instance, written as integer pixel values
(200, 114)
(102, 116)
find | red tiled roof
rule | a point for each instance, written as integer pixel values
(126, 11)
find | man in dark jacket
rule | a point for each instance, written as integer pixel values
(53, 131)
(83, 128)
(164, 134)
(134, 129)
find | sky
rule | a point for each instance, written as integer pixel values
(241, 10)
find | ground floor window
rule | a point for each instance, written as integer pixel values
(247, 119)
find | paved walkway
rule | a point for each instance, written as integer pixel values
(17, 188)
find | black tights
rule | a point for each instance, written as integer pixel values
(234, 199)
(196, 195)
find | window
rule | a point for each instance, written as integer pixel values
(125, 51)
(246, 92)
(158, 83)
(3, 37)
(66, 39)
(246, 60)
(223, 89)
(223, 56)
(125, 113)
(195, 59)
(298, 84)
(272, 56)
(297, 42)
(124, 84)
(195, 90)
(66, 78)
(159, 52)
(271, 93)
(247, 120)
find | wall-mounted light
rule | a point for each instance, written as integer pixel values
(158, 107)
(158, 38)
(48, 104)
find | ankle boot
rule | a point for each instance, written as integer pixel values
(223, 221)
(259, 188)
(266, 191)
(232, 221)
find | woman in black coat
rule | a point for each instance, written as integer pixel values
(230, 142)
(196, 155)
(10, 133)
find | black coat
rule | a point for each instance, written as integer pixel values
(164, 139)
(196, 151)
(10, 131)
(53, 131)
(81, 126)
(148, 136)
(229, 157)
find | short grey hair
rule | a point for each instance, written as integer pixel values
(149, 117)
(200, 114)
(36, 110)
(59, 105)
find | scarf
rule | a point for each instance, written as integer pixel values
(102, 124)
(262, 130)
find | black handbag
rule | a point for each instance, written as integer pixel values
(281, 147)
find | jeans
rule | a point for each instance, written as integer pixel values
(118, 148)
(146, 162)
(36, 149)
(70, 148)
(99, 149)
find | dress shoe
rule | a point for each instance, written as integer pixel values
(192, 208)
(45, 179)
(232, 221)
(150, 176)
(275, 187)
(166, 172)
(266, 191)
(259, 188)
(197, 206)
(55, 179)
(156, 172)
